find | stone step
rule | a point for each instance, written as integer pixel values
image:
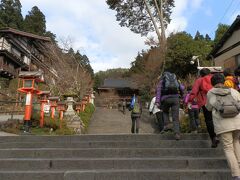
(123, 174)
(109, 144)
(119, 137)
(112, 163)
(156, 174)
(32, 175)
(109, 152)
(107, 157)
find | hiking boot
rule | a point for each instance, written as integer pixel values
(177, 136)
(215, 142)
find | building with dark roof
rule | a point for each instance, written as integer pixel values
(113, 91)
(226, 53)
(21, 51)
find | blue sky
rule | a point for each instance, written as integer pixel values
(90, 26)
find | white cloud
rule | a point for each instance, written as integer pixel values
(183, 10)
(196, 4)
(94, 31)
(179, 21)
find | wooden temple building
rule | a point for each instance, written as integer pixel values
(21, 51)
(113, 91)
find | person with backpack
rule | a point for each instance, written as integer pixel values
(192, 110)
(230, 80)
(167, 97)
(237, 77)
(124, 105)
(199, 91)
(153, 109)
(136, 111)
(225, 106)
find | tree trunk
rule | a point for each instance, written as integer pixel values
(161, 36)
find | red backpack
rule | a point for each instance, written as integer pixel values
(206, 84)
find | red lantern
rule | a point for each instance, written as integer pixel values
(43, 100)
(29, 87)
(53, 105)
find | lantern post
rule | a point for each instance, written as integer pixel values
(78, 107)
(29, 87)
(43, 99)
(53, 105)
(84, 102)
(61, 109)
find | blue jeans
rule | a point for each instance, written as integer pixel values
(173, 104)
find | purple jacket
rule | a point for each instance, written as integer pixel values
(160, 97)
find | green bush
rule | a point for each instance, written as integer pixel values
(52, 127)
(87, 114)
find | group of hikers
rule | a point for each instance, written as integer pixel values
(215, 94)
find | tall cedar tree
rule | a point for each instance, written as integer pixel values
(222, 28)
(198, 36)
(10, 14)
(35, 22)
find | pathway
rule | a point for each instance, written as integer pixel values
(113, 121)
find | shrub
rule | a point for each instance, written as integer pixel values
(184, 124)
(87, 114)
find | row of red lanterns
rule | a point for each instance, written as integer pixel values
(29, 80)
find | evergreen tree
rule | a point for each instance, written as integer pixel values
(222, 28)
(35, 22)
(198, 36)
(10, 14)
(51, 35)
(181, 48)
(207, 37)
(84, 62)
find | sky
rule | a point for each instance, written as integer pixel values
(91, 27)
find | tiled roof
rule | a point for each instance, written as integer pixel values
(235, 25)
(118, 83)
(22, 33)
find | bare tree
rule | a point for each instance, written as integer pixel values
(65, 74)
(144, 16)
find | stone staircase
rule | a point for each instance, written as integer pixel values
(111, 157)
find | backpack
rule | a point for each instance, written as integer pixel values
(206, 84)
(226, 105)
(136, 108)
(170, 83)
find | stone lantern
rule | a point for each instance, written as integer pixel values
(70, 111)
